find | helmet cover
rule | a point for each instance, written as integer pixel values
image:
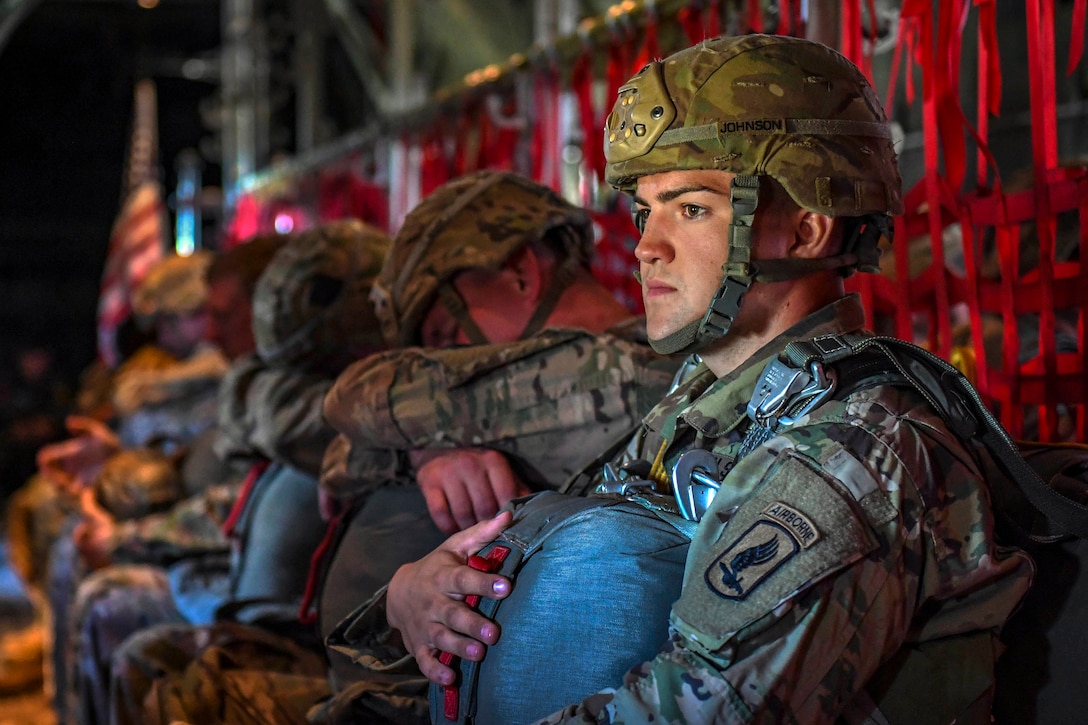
(473, 222)
(312, 301)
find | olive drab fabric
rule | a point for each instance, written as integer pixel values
(537, 392)
(274, 413)
(136, 482)
(175, 285)
(778, 106)
(829, 579)
(474, 222)
(312, 301)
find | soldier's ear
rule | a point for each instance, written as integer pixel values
(815, 236)
(527, 273)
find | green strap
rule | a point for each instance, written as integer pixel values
(455, 305)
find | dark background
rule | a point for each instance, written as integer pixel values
(66, 84)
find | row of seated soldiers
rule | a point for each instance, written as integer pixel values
(319, 408)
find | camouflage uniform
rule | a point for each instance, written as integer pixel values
(111, 603)
(870, 500)
(524, 399)
(272, 413)
(551, 403)
(310, 310)
(158, 399)
(847, 568)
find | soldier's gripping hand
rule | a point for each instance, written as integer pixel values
(426, 601)
(95, 533)
(73, 464)
(463, 486)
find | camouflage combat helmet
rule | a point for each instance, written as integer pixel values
(175, 285)
(474, 222)
(312, 301)
(135, 482)
(761, 105)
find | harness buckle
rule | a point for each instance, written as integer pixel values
(694, 482)
(785, 393)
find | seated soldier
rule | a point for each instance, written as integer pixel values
(844, 560)
(497, 241)
(311, 314)
(189, 527)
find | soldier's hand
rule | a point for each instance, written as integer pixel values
(425, 601)
(73, 464)
(94, 534)
(463, 486)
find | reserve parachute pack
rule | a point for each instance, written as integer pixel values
(576, 559)
(567, 558)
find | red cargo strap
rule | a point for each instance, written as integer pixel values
(239, 506)
(582, 82)
(1076, 39)
(307, 614)
(451, 693)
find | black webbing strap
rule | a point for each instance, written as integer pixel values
(958, 404)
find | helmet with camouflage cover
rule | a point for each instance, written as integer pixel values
(474, 222)
(175, 285)
(135, 482)
(312, 304)
(762, 106)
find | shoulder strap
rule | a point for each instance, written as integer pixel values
(958, 404)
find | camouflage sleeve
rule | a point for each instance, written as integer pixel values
(193, 526)
(791, 604)
(274, 413)
(555, 382)
(350, 470)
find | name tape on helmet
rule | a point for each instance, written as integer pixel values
(805, 126)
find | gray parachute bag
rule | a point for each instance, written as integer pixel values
(580, 567)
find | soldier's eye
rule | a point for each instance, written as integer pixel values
(639, 216)
(693, 210)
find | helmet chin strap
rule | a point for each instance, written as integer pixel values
(563, 277)
(736, 278)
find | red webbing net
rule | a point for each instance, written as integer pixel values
(988, 277)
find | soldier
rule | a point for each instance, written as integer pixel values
(192, 526)
(562, 370)
(311, 314)
(846, 568)
(557, 371)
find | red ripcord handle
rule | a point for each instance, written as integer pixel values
(490, 563)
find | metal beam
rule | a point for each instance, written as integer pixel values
(362, 47)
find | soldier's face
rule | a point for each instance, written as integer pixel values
(494, 302)
(179, 334)
(684, 247)
(686, 217)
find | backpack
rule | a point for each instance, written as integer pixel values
(1040, 500)
(1039, 505)
(1041, 674)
